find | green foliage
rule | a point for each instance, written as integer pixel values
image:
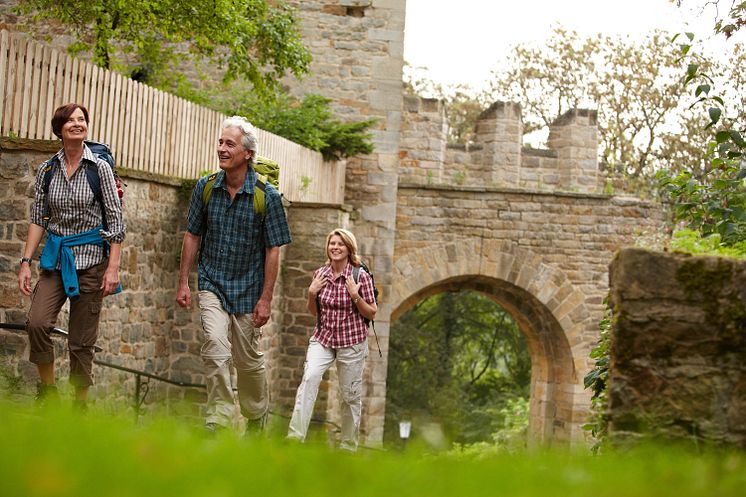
(309, 122)
(10, 383)
(256, 40)
(104, 453)
(458, 360)
(716, 202)
(597, 380)
(692, 242)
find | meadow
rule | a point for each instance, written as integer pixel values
(62, 453)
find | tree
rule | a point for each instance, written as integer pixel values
(548, 80)
(458, 359)
(252, 39)
(309, 122)
(635, 87)
(714, 203)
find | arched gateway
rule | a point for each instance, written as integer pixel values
(538, 296)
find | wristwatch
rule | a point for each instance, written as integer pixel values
(354, 301)
(25, 259)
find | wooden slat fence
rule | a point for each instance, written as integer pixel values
(148, 130)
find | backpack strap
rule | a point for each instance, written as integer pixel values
(356, 277)
(260, 188)
(48, 172)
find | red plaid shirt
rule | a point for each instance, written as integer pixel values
(342, 325)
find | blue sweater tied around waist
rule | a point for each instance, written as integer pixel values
(59, 248)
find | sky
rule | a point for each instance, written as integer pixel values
(461, 42)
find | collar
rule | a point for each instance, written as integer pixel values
(346, 272)
(88, 156)
(248, 183)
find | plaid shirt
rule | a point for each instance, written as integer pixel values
(72, 208)
(342, 325)
(235, 239)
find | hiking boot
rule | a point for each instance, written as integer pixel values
(255, 427)
(80, 406)
(46, 394)
(213, 429)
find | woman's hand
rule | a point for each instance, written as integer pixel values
(24, 279)
(352, 288)
(111, 280)
(317, 284)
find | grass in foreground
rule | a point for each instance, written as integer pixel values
(63, 454)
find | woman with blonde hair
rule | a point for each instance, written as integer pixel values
(342, 307)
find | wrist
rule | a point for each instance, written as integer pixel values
(355, 299)
(26, 260)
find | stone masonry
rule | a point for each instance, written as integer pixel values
(678, 348)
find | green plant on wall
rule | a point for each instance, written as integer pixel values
(459, 177)
(597, 380)
(305, 183)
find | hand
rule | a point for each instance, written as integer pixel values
(184, 296)
(111, 281)
(317, 284)
(261, 313)
(352, 288)
(24, 279)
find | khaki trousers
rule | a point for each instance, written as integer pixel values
(350, 366)
(85, 310)
(231, 336)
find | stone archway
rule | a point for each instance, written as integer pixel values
(548, 309)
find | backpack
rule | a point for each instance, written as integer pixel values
(103, 152)
(266, 170)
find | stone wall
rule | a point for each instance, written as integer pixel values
(138, 328)
(678, 348)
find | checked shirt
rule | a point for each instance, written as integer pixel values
(73, 209)
(341, 323)
(235, 239)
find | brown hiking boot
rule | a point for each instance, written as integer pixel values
(46, 394)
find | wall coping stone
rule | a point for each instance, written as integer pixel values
(524, 191)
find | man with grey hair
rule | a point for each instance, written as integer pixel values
(239, 251)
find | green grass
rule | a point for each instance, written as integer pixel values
(103, 454)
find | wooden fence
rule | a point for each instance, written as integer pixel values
(149, 130)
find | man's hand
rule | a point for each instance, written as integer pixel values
(24, 279)
(184, 296)
(261, 313)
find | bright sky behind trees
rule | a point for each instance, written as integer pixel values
(463, 41)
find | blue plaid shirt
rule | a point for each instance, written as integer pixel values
(235, 239)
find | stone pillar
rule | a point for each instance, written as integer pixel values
(678, 348)
(499, 131)
(574, 136)
(423, 141)
(357, 48)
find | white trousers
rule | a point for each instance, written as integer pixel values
(231, 336)
(350, 365)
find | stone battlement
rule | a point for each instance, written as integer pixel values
(498, 158)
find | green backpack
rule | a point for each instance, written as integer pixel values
(266, 170)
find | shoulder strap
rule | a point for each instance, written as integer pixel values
(260, 197)
(207, 192)
(259, 193)
(356, 274)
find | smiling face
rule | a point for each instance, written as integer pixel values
(75, 127)
(231, 152)
(336, 250)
